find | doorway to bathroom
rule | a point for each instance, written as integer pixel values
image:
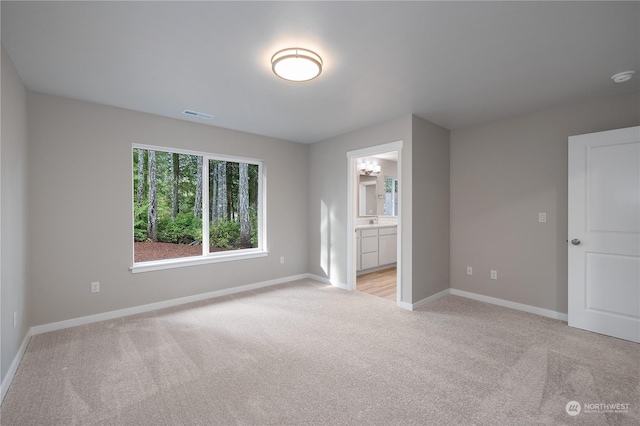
(374, 221)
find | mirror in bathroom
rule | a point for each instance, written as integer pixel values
(378, 185)
(367, 200)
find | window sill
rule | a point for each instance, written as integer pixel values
(158, 265)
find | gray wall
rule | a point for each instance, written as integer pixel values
(502, 175)
(424, 191)
(430, 209)
(81, 208)
(13, 255)
(328, 198)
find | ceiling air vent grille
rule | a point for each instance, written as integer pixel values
(197, 114)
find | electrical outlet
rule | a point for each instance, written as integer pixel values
(281, 259)
(95, 287)
(469, 270)
(494, 275)
(15, 319)
(542, 217)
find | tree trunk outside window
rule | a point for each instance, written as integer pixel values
(197, 208)
(245, 224)
(152, 218)
(222, 190)
(175, 180)
(141, 176)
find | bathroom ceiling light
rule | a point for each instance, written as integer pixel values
(621, 77)
(296, 64)
(369, 168)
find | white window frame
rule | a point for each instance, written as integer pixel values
(207, 257)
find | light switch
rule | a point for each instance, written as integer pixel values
(542, 217)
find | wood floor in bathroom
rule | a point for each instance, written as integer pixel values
(379, 283)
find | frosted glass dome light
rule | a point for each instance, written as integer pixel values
(296, 64)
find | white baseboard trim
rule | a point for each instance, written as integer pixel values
(327, 281)
(39, 329)
(419, 303)
(405, 305)
(430, 299)
(4, 387)
(513, 305)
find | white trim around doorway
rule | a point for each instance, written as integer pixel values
(352, 209)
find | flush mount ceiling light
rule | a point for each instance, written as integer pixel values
(296, 64)
(621, 77)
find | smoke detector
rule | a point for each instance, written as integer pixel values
(621, 77)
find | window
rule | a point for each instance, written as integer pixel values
(192, 208)
(390, 196)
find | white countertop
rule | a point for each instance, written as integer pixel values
(375, 225)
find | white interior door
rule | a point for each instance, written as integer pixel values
(604, 233)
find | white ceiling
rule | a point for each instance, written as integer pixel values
(453, 63)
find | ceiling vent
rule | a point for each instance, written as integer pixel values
(197, 114)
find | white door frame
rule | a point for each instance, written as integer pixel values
(352, 210)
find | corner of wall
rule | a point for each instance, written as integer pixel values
(431, 189)
(13, 215)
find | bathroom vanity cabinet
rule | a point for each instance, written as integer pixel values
(387, 245)
(377, 246)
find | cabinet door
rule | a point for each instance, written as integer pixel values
(388, 249)
(369, 260)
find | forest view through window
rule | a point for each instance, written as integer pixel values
(390, 196)
(188, 205)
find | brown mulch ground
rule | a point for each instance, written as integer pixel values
(146, 251)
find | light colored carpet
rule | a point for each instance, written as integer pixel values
(305, 353)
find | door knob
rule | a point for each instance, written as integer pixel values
(575, 242)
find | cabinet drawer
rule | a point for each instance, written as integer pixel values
(392, 230)
(369, 244)
(368, 233)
